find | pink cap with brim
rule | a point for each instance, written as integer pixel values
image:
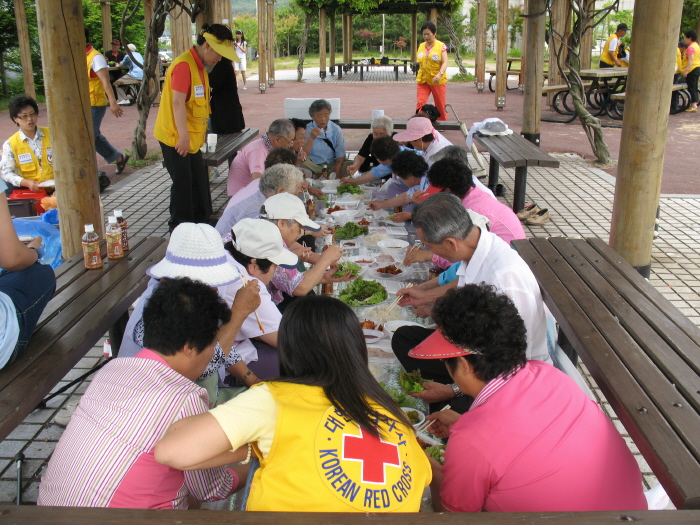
(416, 128)
(437, 347)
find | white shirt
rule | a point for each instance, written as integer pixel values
(613, 45)
(434, 146)
(8, 165)
(99, 62)
(495, 263)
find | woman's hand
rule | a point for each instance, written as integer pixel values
(416, 197)
(328, 276)
(376, 205)
(30, 184)
(437, 78)
(36, 243)
(423, 311)
(315, 132)
(412, 297)
(183, 145)
(443, 422)
(435, 392)
(248, 297)
(418, 256)
(351, 170)
(402, 216)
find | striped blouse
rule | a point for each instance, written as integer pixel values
(105, 456)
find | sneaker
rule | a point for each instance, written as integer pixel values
(64, 415)
(124, 102)
(103, 180)
(539, 218)
(121, 164)
(527, 211)
(245, 87)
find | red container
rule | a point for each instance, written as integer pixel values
(29, 194)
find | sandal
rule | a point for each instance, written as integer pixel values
(121, 164)
(64, 415)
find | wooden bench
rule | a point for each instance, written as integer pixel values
(228, 145)
(513, 151)
(509, 72)
(560, 92)
(643, 353)
(440, 125)
(87, 304)
(682, 106)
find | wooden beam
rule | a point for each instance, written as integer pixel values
(523, 53)
(180, 32)
(414, 37)
(322, 41)
(25, 52)
(480, 59)
(502, 55)
(433, 15)
(147, 15)
(106, 12)
(561, 29)
(270, 42)
(62, 39)
(644, 129)
(331, 38)
(345, 38)
(262, 49)
(586, 49)
(534, 65)
(351, 35)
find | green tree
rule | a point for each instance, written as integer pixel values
(134, 31)
(8, 37)
(249, 25)
(491, 17)
(691, 15)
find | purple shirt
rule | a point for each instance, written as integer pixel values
(249, 160)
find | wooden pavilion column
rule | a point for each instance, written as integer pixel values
(533, 70)
(62, 39)
(433, 17)
(332, 42)
(106, 12)
(351, 37)
(561, 26)
(587, 41)
(322, 42)
(270, 42)
(644, 129)
(216, 12)
(414, 36)
(502, 55)
(480, 59)
(523, 53)
(262, 49)
(180, 32)
(25, 52)
(345, 38)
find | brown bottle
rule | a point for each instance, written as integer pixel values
(91, 248)
(122, 224)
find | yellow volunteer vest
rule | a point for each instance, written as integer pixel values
(98, 97)
(680, 61)
(606, 56)
(197, 107)
(322, 462)
(430, 64)
(28, 164)
(696, 56)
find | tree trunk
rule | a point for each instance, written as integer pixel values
(301, 50)
(3, 78)
(446, 22)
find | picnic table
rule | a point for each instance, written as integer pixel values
(363, 63)
(228, 145)
(509, 72)
(604, 83)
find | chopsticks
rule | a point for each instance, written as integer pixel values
(245, 282)
(392, 305)
(426, 424)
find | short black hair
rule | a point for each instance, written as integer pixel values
(428, 25)
(280, 156)
(478, 317)
(298, 123)
(430, 111)
(453, 175)
(384, 148)
(243, 259)
(182, 312)
(408, 163)
(20, 102)
(682, 44)
(690, 33)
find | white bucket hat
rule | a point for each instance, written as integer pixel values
(195, 251)
(260, 239)
(288, 206)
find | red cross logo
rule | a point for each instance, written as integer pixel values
(374, 454)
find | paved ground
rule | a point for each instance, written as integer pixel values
(580, 201)
(681, 173)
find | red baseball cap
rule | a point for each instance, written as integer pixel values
(432, 190)
(436, 346)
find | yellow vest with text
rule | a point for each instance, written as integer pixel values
(606, 56)
(28, 164)
(430, 64)
(320, 461)
(696, 56)
(680, 60)
(197, 107)
(98, 97)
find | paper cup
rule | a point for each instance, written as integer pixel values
(211, 141)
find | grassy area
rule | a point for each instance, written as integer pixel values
(152, 157)
(4, 102)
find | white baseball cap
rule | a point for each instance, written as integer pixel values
(196, 251)
(260, 239)
(287, 206)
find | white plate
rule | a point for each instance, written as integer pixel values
(391, 326)
(386, 258)
(357, 258)
(393, 245)
(372, 336)
(421, 415)
(406, 271)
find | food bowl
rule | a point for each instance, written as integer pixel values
(390, 327)
(372, 336)
(342, 217)
(330, 184)
(421, 415)
(362, 260)
(393, 246)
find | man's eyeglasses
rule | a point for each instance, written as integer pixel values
(26, 116)
(290, 143)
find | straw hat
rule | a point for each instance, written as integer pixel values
(195, 251)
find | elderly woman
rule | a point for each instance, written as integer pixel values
(431, 78)
(424, 138)
(382, 126)
(326, 140)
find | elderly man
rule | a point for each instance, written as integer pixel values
(105, 456)
(532, 441)
(135, 73)
(444, 226)
(249, 163)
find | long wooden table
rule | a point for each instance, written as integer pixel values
(228, 145)
(605, 82)
(642, 352)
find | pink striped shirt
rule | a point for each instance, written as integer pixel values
(105, 456)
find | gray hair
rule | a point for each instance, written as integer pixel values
(451, 153)
(283, 176)
(281, 128)
(383, 122)
(441, 216)
(318, 105)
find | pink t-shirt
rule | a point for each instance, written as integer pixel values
(249, 160)
(539, 444)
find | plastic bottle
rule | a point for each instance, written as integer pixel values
(91, 248)
(122, 224)
(324, 171)
(114, 239)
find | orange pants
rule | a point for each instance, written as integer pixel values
(439, 92)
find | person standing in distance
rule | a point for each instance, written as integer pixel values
(241, 47)
(431, 78)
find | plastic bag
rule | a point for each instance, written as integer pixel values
(50, 252)
(50, 217)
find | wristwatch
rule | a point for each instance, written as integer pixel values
(456, 390)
